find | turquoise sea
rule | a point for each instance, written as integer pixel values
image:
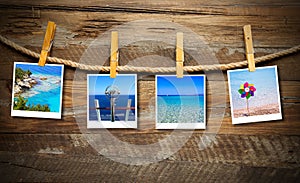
(45, 92)
(180, 109)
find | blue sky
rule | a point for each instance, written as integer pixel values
(263, 77)
(188, 85)
(98, 84)
(46, 70)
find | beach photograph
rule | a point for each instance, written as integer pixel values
(112, 102)
(180, 102)
(254, 96)
(37, 90)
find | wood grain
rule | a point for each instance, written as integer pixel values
(74, 107)
(243, 158)
(57, 150)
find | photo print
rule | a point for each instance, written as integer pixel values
(180, 102)
(254, 96)
(112, 102)
(37, 90)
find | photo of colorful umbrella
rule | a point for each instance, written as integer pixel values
(247, 90)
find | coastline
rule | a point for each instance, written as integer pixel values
(22, 85)
(36, 89)
(37, 93)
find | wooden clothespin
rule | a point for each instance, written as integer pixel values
(114, 54)
(179, 55)
(48, 42)
(249, 48)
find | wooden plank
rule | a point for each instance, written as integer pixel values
(274, 7)
(80, 28)
(44, 150)
(289, 95)
(73, 38)
(39, 168)
(70, 126)
(249, 150)
(274, 150)
(178, 3)
(242, 158)
(286, 66)
(146, 91)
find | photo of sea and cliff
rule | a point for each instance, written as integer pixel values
(37, 89)
(112, 100)
(263, 104)
(180, 100)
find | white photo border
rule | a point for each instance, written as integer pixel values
(37, 114)
(258, 118)
(91, 124)
(181, 126)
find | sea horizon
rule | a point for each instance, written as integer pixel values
(104, 102)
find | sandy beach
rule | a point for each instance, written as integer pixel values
(255, 111)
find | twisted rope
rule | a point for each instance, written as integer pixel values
(150, 69)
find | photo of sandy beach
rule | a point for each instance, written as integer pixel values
(111, 101)
(254, 96)
(180, 102)
(37, 90)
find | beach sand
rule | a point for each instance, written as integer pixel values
(255, 111)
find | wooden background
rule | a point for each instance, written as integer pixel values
(55, 150)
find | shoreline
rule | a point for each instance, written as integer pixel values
(22, 85)
(256, 111)
(29, 82)
(36, 91)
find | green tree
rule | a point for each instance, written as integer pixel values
(28, 72)
(20, 73)
(21, 104)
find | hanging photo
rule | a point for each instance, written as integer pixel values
(254, 96)
(112, 101)
(37, 90)
(180, 102)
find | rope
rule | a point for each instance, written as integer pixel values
(150, 69)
